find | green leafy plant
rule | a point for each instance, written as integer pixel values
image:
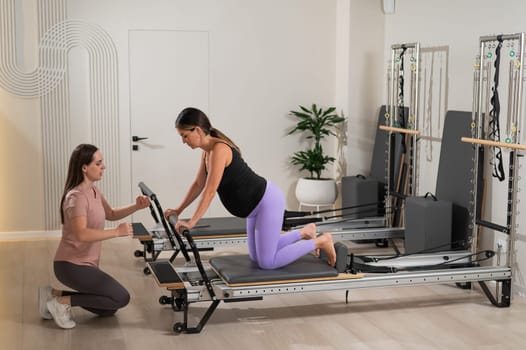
(317, 123)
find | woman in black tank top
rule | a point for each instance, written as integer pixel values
(244, 194)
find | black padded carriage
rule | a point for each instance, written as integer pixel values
(219, 226)
(238, 269)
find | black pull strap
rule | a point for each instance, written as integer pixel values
(494, 123)
(401, 116)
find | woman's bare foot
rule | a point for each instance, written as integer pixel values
(325, 243)
(308, 231)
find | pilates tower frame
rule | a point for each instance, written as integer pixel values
(480, 142)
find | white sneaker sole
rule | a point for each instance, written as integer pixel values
(42, 300)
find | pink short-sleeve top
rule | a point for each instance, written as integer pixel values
(86, 203)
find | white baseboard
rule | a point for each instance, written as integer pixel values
(29, 235)
(518, 290)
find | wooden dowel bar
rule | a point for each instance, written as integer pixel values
(493, 143)
(400, 130)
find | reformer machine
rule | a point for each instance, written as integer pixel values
(235, 279)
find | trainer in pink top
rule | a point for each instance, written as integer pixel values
(86, 203)
(83, 212)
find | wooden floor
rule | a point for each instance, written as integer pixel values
(423, 317)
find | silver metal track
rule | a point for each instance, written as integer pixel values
(430, 259)
(337, 235)
(338, 225)
(456, 275)
(371, 233)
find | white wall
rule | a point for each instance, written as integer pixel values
(21, 194)
(366, 67)
(266, 58)
(458, 25)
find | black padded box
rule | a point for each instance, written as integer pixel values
(359, 190)
(365, 192)
(454, 174)
(428, 224)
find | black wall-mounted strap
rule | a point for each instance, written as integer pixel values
(401, 119)
(401, 116)
(494, 123)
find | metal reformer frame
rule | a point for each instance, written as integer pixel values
(201, 284)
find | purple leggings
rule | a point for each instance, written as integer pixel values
(266, 245)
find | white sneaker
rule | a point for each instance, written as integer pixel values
(61, 313)
(44, 294)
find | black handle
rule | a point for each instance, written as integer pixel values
(172, 219)
(138, 138)
(432, 196)
(146, 190)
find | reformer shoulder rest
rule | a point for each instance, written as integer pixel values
(165, 275)
(140, 232)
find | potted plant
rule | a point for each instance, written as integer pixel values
(317, 123)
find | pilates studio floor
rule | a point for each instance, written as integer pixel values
(419, 317)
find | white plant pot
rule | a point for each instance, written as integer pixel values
(316, 192)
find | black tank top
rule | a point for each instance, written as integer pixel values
(241, 188)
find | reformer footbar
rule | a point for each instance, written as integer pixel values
(148, 243)
(210, 231)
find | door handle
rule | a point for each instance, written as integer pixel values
(138, 138)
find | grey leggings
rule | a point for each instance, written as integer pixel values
(95, 290)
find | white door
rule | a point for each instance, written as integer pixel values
(168, 72)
